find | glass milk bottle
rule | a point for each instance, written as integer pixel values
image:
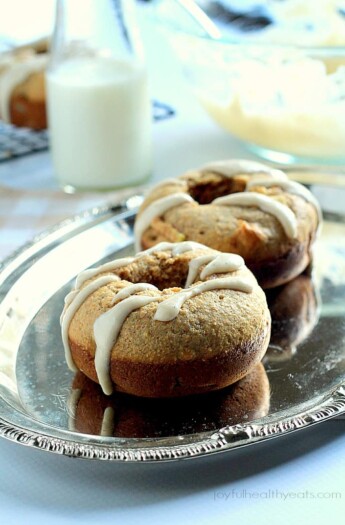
(98, 102)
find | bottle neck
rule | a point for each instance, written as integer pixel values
(95, 28)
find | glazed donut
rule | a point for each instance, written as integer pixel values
(294, 311)
(236, 206)
(175, 320)
(121, 415)
(22, 88)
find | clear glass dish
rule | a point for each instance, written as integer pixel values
(278, 84)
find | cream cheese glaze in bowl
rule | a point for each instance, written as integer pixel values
(272, 74)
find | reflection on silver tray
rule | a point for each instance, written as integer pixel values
(44, 406)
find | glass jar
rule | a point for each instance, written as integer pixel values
(98, 101)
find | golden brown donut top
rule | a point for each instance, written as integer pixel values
(212, 308)
(233, 227)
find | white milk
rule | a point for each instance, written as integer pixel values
(100, 123)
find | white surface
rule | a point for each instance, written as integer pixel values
(287, 480)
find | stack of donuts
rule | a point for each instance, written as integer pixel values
(188, 315)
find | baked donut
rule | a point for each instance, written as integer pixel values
(236, 206)
(124, 416)
(175, 320)
(294, 311)
(22, 88)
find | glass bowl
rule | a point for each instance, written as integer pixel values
(275, 79)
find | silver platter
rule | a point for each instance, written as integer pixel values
(41, 406)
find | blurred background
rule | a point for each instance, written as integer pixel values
(269, 74)
(21, 21)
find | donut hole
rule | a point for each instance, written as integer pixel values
(163, 271)
(205, 191)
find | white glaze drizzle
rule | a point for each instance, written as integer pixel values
(107, 428)
(222, 263)
(108, 325)
(171, 180)
(170, 308)
(132, 289)
(68, 300)
(72, 308)
(160, 247)
(186, 246)
(231, 168)
(107, 267)
(289, 186)
(156, 209)
(106, 330)
(227, 168)
(176, 248)
(194, 267)
(282, 213)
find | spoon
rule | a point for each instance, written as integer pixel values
(201, 18)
